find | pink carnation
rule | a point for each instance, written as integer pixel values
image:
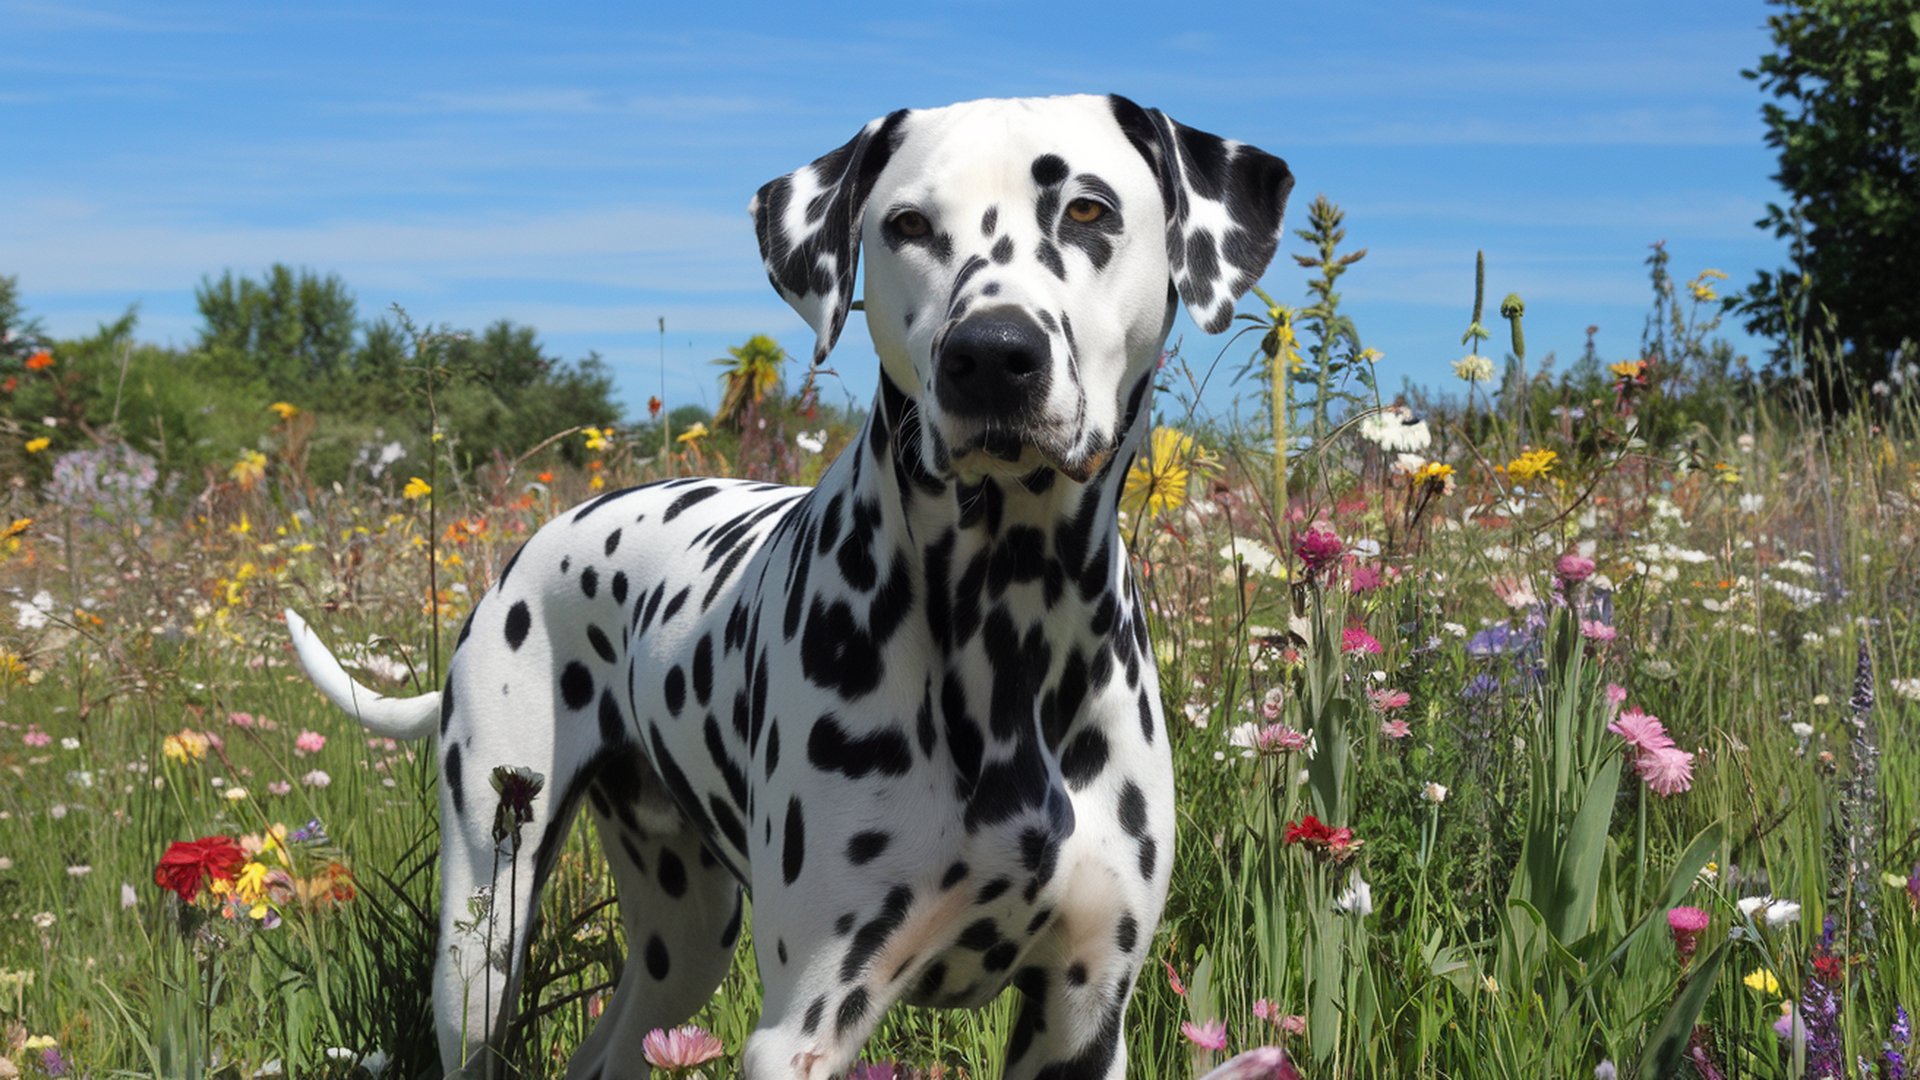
(1354, 641)
(1318, 548)
(35, 737)
(1595, 630)
(1210, 1035)
(1276, 738)
(1642, 730)
(1667, 770)
(1573, 569)
(1263, 1063)
(1395, 729)
(310, 742)
(240, 719)
(1687, 924)
(1388, 700)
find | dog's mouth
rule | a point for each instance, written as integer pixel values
(1003, 450)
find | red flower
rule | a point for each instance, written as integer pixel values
(1309, 830)
(190, 864)
(653, 406)
(1318, 548)
(40, 361)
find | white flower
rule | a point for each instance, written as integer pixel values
(1745, 442)
(1906, 688)
(235, 793)
(1473, 369)
(1777, 913)
(316, 779)
(1395, 429)
(812, 441)
(32, 615)
(1453, 629)
(1357, 898)
(128, 897)
(1802, 730)
(1257, 557)
(1434, 793)
(1752, 502)
(80, 870)
(44, 920)
(69, 743)
(5, 863)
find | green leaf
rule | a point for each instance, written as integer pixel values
(1669, 1044)
(1705, 843)
(1570, 910)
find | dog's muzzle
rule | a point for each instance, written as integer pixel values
(994, 367)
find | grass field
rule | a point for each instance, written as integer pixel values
(1473, 872)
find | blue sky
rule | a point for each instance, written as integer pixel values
(586, 169)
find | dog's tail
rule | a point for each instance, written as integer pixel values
(395, 718)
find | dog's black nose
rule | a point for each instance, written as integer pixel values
(993, 363)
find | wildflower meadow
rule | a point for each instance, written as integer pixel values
(1551, 720)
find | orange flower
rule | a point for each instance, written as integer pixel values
(40, 361)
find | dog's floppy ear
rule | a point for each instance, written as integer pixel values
(808, 224)
(1224, 203)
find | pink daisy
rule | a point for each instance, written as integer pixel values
(1395, 729)
(1278, 738)
(684, 1047)
(1595, 630)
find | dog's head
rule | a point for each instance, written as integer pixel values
(1024, 261)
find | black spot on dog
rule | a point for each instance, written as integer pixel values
(864, 847)
(979, 936)
(873, 934)
(675, 689)
(446, 707)
(620, 587)
(1049, 169)
(852, 1010)
(1003, 250)
(657, 963)
(988, 220)
(1084, 757)
(590, 582)
(598, 639)
(456, 783)
(1126, 934)
(686, 499)
(613, 723)
(519, 621)
(613, 541)
(703, 670)
(794, 852)
(955, 874)
(1077, 973)
(673, 874)
(831, 749)
(811, 1021)
(576, 685)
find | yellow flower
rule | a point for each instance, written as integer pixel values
(285, 410)
(19, 526)
(1702, 286)
(40, 1042)
(250, 469)
(597, 438)
(1286, 343)
(1158, 480)
(1761, 980)
(34, 446)
(694, 432)
(1371, 356)
(1726, 473)
(416, 488)
(1628, 369)
(1532, 465)
(187, 746)
(242, 527)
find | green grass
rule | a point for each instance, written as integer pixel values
(1517, 929)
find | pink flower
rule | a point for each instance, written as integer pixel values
(310, 742)
(1395, 729)
(1388, 700)
(35, 737)
(1687, 924)
(1271, 703)
(1642, 730)
(1266, 1010)
(1211, 1035)
(279, 787)
(240, 719)
(1279, 738)
(1265, 1063)
(1293, 1024)
(1667, 770)
(1173, 979)
(1319, 548)
(1355, 641)
(1364, 577)
(684, 1047)
(1595, 630)
(1616, 695)
(1573, 569)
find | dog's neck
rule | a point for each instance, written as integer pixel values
(973, 542)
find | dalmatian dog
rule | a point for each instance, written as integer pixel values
(913, 711)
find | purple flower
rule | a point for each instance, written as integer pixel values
(1899, 1039)
(52, 1063)
(1497, 640)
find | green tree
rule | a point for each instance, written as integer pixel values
(295, 328)
(1846, 124)
(753, 371)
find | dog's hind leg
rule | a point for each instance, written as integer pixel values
(681, 910)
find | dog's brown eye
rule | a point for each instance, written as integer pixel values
(911, 224)
(1086, 211)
